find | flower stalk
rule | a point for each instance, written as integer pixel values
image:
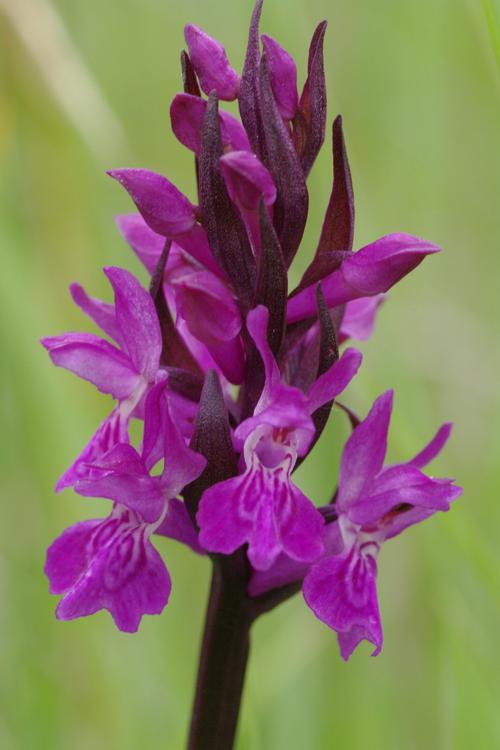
(223, 659)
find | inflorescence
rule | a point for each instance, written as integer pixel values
(232, 375)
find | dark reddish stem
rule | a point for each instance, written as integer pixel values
(223, 659)
(225, 648)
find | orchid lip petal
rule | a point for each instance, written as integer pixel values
(264, 508)
(108, 564)
(341, 591)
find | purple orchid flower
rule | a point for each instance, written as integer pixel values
(111, 563)
(371, 271)
(262, 506)
(374, 504)
(210, 62)
(126, 373)
(200, 298)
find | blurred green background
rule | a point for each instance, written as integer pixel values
(85, 86)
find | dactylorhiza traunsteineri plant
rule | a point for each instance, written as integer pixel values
(233, 377)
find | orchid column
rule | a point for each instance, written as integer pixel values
(233, 377)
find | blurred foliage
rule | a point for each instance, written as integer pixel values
(85, 87)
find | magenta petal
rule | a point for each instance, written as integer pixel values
(230, 358)
(397, 522)
(359, 316)
(364, 452)
(247, 180)
(302, 529)
(153, 443)
(283, 77)
(67, 556)
(179, 526)
(102, 313)
(279, 405)
(378, 266)
(210, 62)
(182, 465)
(257, 321)
(261, 507)
(288, 410)
(93, 359)
(335, 290)
(263, 542)
(285, 570)
(195, 242)
(206, 305)
(371, 271)
(111, 432)
(212, 316)
(342, 592)
(163, 207)
(145, 243)
(121, 475)
(433, 448)
(223, 525)
(111, 565)
(401, 485)
(138, 321)
(329, 385)
(187, 113)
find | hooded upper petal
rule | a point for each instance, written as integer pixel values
(187, 113)
(378, 266)
(371, 271)
(163, 207)
(247, 180)
(211, 64)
